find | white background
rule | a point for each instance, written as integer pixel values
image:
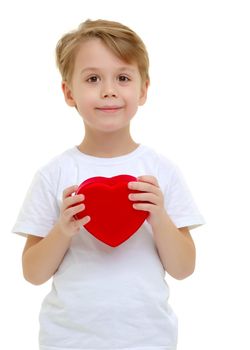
(196, 114)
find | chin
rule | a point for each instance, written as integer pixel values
(113, 128)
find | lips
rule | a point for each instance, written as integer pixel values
(109, 108)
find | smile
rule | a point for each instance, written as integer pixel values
(109, 109)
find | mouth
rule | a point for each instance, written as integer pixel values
(109, 109)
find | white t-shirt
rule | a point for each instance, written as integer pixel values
(103, 297)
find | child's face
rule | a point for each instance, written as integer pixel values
(105, 90)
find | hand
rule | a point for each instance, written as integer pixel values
(68, 225)
(152, 195)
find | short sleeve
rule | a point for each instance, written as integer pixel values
(40, 209)
(179, 202)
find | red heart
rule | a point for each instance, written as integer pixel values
(113, 218)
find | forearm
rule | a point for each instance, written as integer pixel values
(41, 260)
(176, 249)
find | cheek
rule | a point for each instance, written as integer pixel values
(86, 99)
(133, 97)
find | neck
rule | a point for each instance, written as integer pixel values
(107, 145)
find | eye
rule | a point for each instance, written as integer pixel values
(93, 79)
(123, 78)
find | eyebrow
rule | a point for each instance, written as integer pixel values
(125, 68)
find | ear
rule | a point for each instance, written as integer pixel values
(144, 91)
(68, 94)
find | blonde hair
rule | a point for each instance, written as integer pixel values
(121, 40)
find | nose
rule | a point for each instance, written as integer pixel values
(109, 90)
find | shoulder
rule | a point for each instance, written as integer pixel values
(57, 165)
(61, 160)
(161, 161)
(163, 167)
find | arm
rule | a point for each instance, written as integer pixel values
(42, 256)
(175, 246)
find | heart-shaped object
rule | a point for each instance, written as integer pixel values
(113, 218)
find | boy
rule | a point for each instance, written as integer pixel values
(104, 297)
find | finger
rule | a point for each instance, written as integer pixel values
(81, 222)
(144, 197)
(84, 220)
(150, 179)
(69, 191)
(144, 206)
(70, 212)
(143, 186)
(72, 200)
